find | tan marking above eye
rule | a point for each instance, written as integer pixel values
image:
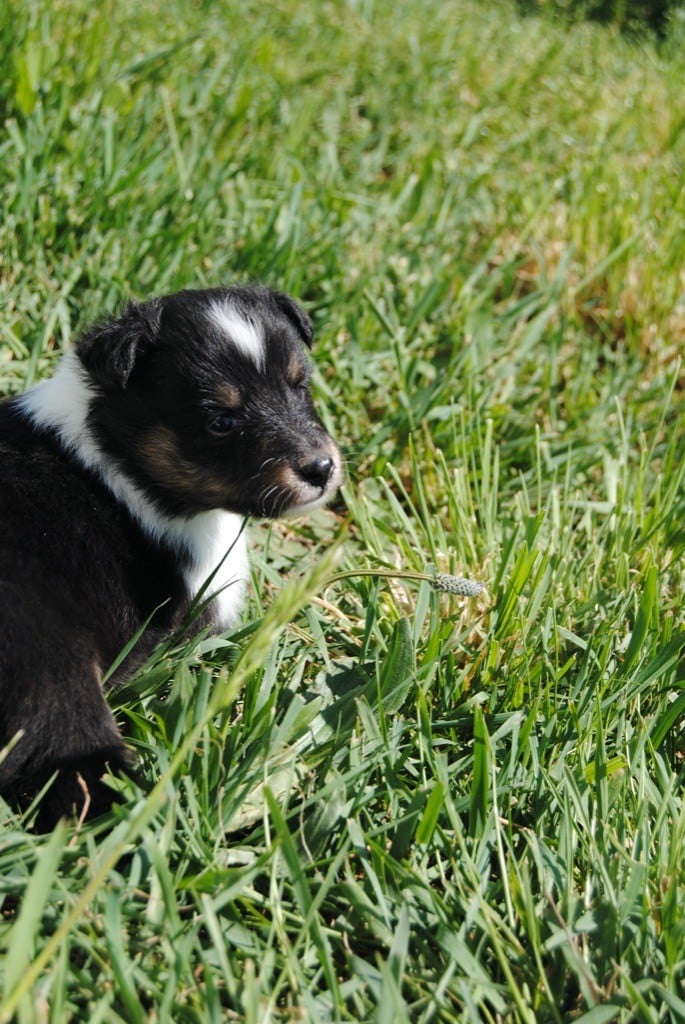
(296, 371)
(228, 396)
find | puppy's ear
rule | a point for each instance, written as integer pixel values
(109, 350)
(297, 317)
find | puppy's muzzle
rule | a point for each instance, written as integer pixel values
(307, 482)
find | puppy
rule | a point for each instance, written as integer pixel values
(124, 482)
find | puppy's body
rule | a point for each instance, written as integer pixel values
(124, 481)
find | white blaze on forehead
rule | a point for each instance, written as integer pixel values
(245, 335)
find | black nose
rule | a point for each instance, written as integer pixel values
(318, 471)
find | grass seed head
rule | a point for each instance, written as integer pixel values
(448, 584)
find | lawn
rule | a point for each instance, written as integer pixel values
(376, 801)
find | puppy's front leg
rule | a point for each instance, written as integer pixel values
(64, 727)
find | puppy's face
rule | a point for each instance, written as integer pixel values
(203, 399)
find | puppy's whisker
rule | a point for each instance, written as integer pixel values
(265, 463)
(267, 493)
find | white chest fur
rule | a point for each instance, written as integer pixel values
(217, 546)
(213, 542)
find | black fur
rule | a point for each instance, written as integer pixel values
(188, 418)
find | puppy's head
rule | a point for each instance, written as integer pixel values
(202, 398)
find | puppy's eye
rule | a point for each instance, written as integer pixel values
(301, 384)
(224, 423)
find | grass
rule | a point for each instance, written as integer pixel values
(374, 801)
